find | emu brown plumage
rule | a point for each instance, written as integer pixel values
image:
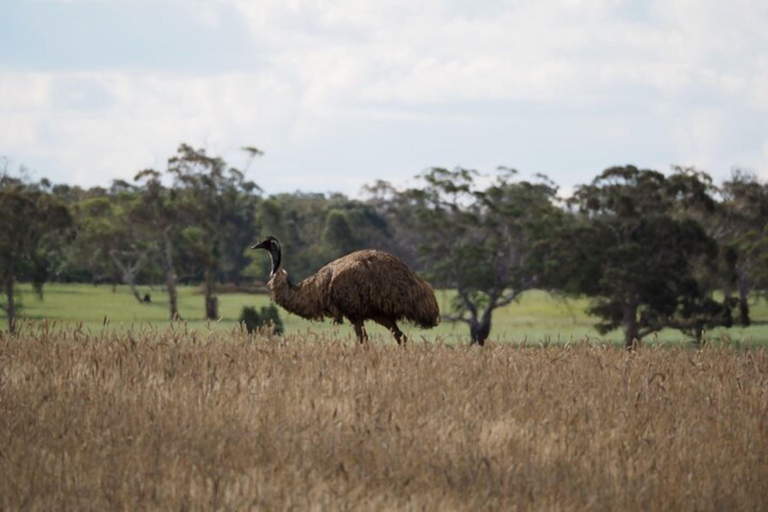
(364, 285)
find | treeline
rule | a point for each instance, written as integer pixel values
(651, 250)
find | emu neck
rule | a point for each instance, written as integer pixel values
(276, 257)
(302, 299)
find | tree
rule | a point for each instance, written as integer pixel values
(398, 212)
(318, 228)
(35, 227)
(156, 211)
(634, 251)
(108, 240)
(338, 235)
(480, 241)
(217, 203)
(742, 229)
(367, 228)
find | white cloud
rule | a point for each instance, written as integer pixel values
(585, 81)
(62, 117)
(564, 50)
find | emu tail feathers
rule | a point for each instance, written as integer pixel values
(424, 311)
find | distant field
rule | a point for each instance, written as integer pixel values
(537, 318)
(156, 419)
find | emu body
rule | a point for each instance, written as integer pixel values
(363, 285)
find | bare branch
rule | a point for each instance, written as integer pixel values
(457, 318)
(464, 295)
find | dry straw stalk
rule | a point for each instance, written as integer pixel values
(174, 420)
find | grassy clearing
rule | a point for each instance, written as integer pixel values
(536, 318)
(216, 420)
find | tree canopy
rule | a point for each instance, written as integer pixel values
(35, 230)
(638, 255)
(651, 250)
(480, 239)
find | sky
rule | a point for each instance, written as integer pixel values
(341, 93)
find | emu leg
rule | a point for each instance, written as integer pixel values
(362, 336)
(393, 328)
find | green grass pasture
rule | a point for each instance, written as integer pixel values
(537, 318)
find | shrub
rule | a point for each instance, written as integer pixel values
(268, 317)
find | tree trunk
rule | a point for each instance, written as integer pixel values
(170, 278)
(480, 330)
(211, 302)
(135, 291)
(727, 293)
(11, 307)
(631, 328)
(744, 303)
(129, 274)
(698, 333)
(732, 274)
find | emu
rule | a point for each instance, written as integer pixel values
(363, 285)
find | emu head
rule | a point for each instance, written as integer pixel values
(272, 246)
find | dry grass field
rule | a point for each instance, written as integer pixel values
(166, 420)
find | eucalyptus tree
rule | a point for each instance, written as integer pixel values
(318, 227)
(109, 241)
(36, 226)
(350, 225)
(217, 206)
(632, 248)
(742, 228)
(481, 239)
(338, 234)
(157, 213)
(398, 211)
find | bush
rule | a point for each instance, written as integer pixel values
(268, 317)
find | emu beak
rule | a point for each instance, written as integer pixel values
(260, 245)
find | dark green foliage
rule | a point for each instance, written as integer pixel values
(636, 247)
(267, 317)
(36, 227)
(216, 204)
(111, 244)
(741, 226)
(317, 228)
(338, 235)
(157, 214)
(652, 250)
(480, 240)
